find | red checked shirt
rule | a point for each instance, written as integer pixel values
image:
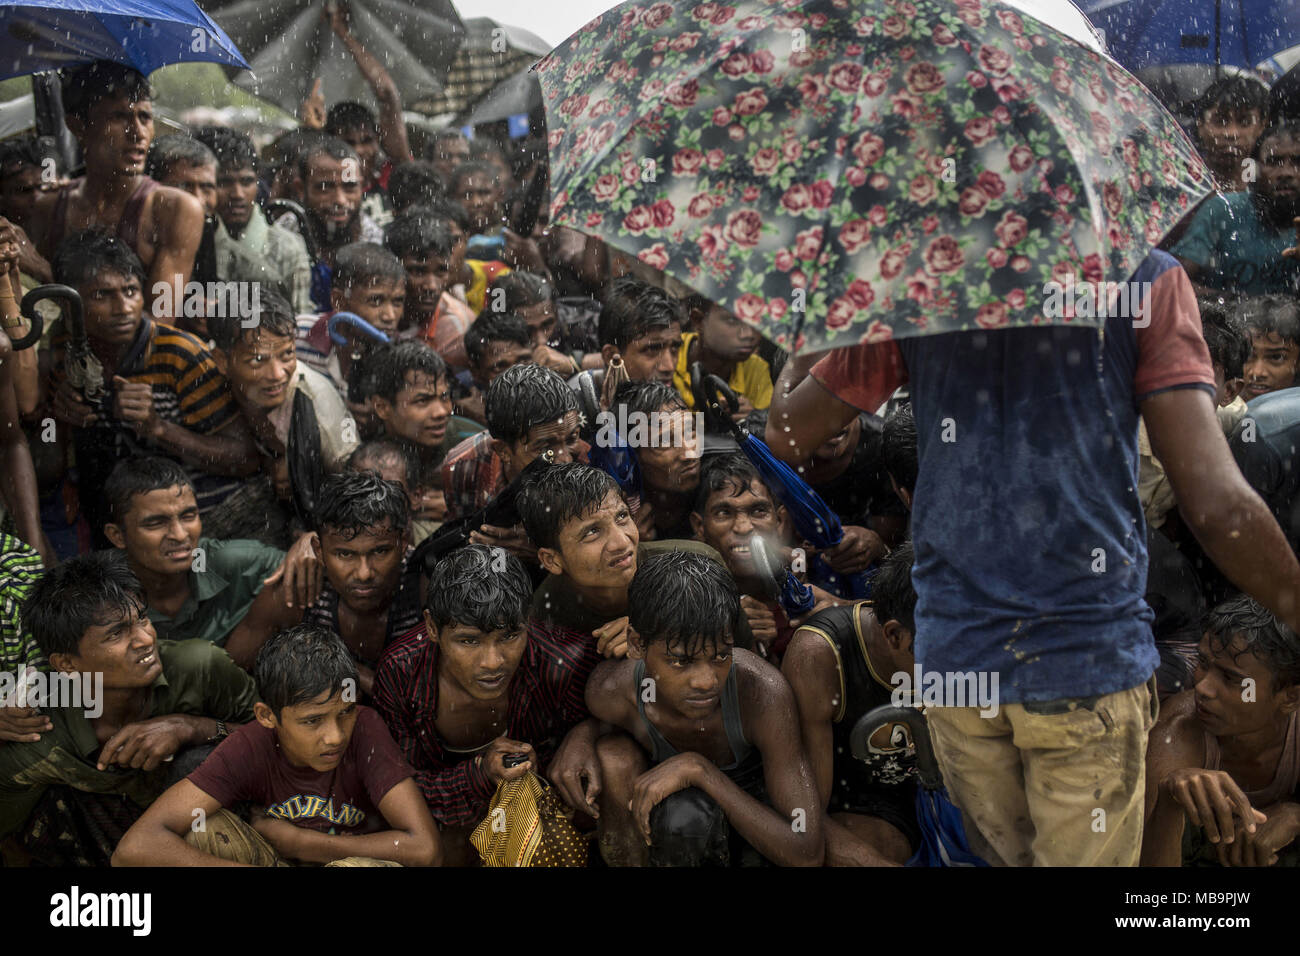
(546, 699)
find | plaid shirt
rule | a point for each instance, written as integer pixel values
(20, 570)
(471, 475)
(546, 699)
(266, 253)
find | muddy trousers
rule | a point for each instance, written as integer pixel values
(227, 837)
(1050, 784)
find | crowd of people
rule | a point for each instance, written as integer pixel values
(308, 504)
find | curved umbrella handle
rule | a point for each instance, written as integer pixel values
(279, 207)
(926, 765)
(356, 322)
(715, 399)
(70, 301)
(588, 400)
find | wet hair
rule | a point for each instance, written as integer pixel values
(521, 289)
(27, 151)
(81, 593)
(83, 256)
(287, 149)
(523, 397)
(1285, 127)
(704, 611)
(898, 448)
(300, 664)
(892, 593)
(444, 134)
(466, 589)
(139, 476)
(452, 210)
(274, 315)
(1237, 94)
(349, 115)
(420, 233)
(633, 309)
(379, 450)
(166, 152)
(330, 146)
(1272, 642)
(1271, 314)
(233, 149)
(1225, 338)
(392, 364)
(492, 327)
(356, 502)
(361, 263)
(560, 494)
(415, 183)
(646, 398)
(733, 472)
(473, 167)
(84, 86)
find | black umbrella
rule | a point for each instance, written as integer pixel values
(520, 93)
(492, 52)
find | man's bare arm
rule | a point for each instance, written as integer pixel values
(411, 838)
(392, 128)
(227, 451)
(804, 414)
(1175, 742)
(178, 226)
(158, 837)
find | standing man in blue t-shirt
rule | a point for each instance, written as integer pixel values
(1031, 550)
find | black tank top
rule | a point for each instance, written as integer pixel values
(893, 755)
(746, 768)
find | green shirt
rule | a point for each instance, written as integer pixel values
(20, 570)
(197, 679)
(222, 589)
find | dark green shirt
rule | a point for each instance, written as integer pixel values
(198, 679)
(221, 592)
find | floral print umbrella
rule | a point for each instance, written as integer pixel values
(837, 171)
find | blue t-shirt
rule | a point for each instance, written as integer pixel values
(1237, 250)
(1030, 540)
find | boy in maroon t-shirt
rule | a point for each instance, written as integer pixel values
(326, 780)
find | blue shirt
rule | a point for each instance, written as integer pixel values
(1238, 251)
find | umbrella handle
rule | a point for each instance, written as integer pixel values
(588, 399)
(356, 322)
(766, 566)
(926, 765)
(278, 207)
(70, 302)
(715, 398)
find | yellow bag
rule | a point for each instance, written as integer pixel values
(528, 825)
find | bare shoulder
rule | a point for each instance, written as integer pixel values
(171, 202)
(1178, 737)
(758, 681)
(609, 690)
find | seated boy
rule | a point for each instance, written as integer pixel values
(728, 348)
(125, 703)
(325, 781)
(1273, 324)
(479, 686)
(840, 664)
(1225, 754)
(709, 765)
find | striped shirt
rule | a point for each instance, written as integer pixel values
(546, 699)
(20, 570)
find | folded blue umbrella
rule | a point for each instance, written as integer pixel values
(38, 35)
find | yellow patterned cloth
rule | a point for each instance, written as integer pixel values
(528, 825)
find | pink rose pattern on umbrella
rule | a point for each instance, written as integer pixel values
(904, 167)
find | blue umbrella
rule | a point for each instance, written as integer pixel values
(1144, 33)
(41, 35)
(943, 836)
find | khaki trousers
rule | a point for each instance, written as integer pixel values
(227, 837)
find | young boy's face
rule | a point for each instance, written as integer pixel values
(598, 549)
(260, 368)
(365, 143)
(236, 194)
(1220, 682)
(426, 279)
(315, 733)
(561, 438)
(540, 319)
(199, 181)
(1271, 365)
(653, 357)
(479, 663)
(497, 357)
(674, 466)
(731, 519)
(123, 647)
(726, 336)
(690, 684)
(160, 530)
(377, 300)
(1229, 134)
(420, 412)
(113, 305)
(366, 569)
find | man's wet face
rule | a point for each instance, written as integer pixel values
(730, 519)
(380, 301)
(1271, 365)
(479, 663)
(420, 412)
(316, 733)
(448, 154)
(260, 368)
(427, 277)
(122, 645)
(499, 356)
(599, 548)
(727, 337)
(118, 131)
(689, 682)
(541, 321)
(365, 570)
(365, 143)
(114, 304)
(1227, 135)
(236, 194)
(333, 199)
(481, 196)
(19, 187)
(559, 438)
(673, 467)
(1219, 684)
(1279, 179)
(161, 529)
(199, 181)
(653, 357)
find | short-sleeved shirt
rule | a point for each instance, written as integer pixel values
(225, 578)
(250, 767)
(20, 571)
(1030, 542)
(197, 679)
(1266, 445)
(751, 378)
(1239, 251)
(266, 253)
